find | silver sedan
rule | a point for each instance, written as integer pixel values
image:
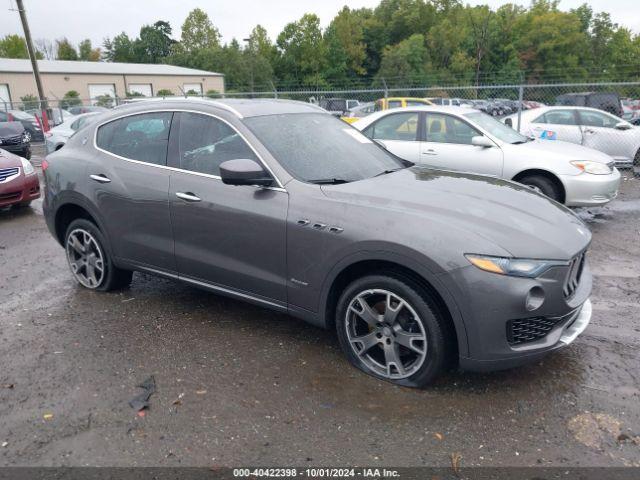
(589, 127)
(58, 136)
(458, 138)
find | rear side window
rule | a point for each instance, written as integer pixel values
(558, 117)
(205, 142)
(399, 126)
(141, 137)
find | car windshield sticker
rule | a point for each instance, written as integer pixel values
(357, 135)
(548, 135)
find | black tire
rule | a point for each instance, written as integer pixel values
(112, 278)
(636, 159)
(23, 204)
(544, 185)
(437, 342)
(26, 154)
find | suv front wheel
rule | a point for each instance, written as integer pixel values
(388, 330)
(88, 259)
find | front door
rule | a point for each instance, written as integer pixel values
(129, 184)
(557, 125)
(231, 236)
(600, 133)
(448, 145)
(398, 132)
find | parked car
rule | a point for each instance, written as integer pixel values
(15, 139)
(56, 116)
(458, 138)
(281, 204)
(455, 102)
(58, 136)
(358, 112)
(19, 183)
(29, 122)
(78, 109)
(400, 102)
(589, 127)
(606, 101)
(338, 106)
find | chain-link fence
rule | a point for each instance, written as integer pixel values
(521, 106)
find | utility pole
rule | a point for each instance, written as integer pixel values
(34, 63)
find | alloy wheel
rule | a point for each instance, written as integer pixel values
(386, 333)
(85, 258)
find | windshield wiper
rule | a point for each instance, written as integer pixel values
(389, 171)
(328, 181)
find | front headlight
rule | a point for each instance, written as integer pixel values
(595, 168)
(517, 267)
(27, 167)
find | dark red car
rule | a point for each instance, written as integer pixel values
(19, 183)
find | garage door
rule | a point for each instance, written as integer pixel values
(141, 88)
(193, 87)
(4, 97)
(99, 90)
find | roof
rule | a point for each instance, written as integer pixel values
(240, 107)
(15, 65)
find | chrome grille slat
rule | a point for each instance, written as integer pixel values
(574, 273)
(6, 173)
(17, 140)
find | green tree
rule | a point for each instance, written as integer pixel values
(13, 46)
(407, 60)
(120, 49)
(87, 52)
(154, 44)
(105, 100)
(66, 51)
(70, 99)
(198, 32)
(164, 92)
(302, 52)
(29, 102)
(346, 50)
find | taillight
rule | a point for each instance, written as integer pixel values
(44, 165)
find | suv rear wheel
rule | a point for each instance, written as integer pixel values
(388, 330)
(89, 261)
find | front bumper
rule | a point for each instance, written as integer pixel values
(21, 149)
(491, 303)
(587, 190)
(21, 189)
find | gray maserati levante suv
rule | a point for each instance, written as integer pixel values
(279, 203)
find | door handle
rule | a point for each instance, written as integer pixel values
(588, 130)
(100, 178)
(431, 151)
(188, 196)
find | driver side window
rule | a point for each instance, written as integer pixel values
(443, 128)
(205, 142)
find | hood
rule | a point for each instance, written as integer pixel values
(10, 129)
(8, 159)
(562, 150)
(513, 217)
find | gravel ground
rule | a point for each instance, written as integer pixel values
(239, 385)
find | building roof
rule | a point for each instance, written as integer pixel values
(14, 65)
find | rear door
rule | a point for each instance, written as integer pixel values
(129, 184)
(557, 125)
(398, 132)
(233, 237)
(448, 145)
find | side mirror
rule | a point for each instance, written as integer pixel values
(244, 172)
(508, 122)
(482, 141)
(622, 126)
(381, 143)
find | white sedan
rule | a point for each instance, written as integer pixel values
(589, 127)
(58, 136)
(458, 138)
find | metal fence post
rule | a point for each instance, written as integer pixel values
(386, 89)
(520, 99)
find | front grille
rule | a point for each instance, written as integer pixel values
(9, 196)
(525, 330)
(7, 173)
(17, 140)
(572, 280)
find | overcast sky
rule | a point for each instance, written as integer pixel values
(97, 19)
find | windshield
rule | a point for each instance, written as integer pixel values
(22, 115)
(496, 128)
(316, 147)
